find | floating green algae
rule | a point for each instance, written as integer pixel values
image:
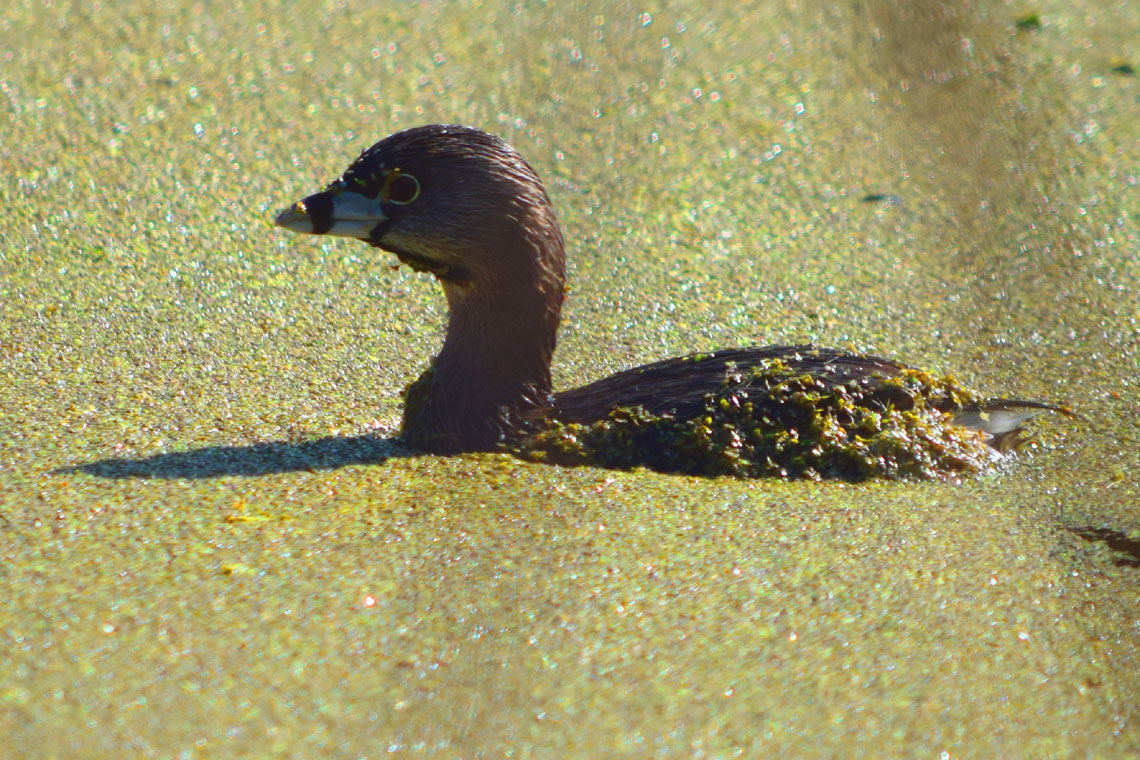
(773, 421)
(1028, 22)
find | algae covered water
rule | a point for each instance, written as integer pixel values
(213, 547)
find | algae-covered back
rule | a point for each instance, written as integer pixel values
(773, 420)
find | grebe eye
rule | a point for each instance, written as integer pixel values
(403, 189)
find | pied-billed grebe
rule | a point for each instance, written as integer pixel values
(463, 205)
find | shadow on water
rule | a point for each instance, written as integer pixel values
(256, 459)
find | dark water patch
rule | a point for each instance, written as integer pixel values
(1127, 548)
(888, 198)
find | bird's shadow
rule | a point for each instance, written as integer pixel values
(256, 459)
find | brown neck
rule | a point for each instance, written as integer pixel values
(494, 369)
